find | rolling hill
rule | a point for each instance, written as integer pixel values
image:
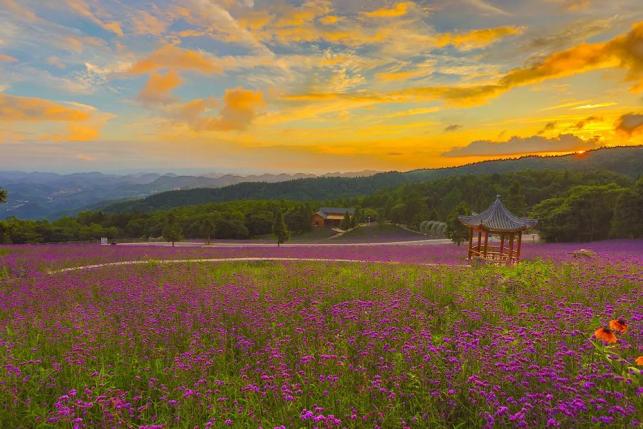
(36, 195)
(627, 161)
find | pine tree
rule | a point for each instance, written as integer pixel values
(279, 228)
(456, 231)
(3, 195)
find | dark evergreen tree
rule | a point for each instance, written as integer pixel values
(628, 213)
(279, 228)
(456, 231)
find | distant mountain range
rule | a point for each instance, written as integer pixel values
(626, 161)
(35, 195)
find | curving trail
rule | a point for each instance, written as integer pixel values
(241, 259)
(219, 244)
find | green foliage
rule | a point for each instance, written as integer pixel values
(279, 228)
(3, 195)
(628, 213)
(583, 214)
(456, 231)
(259, 222)
(624, 160)
(172, 230)
(206, 227)
(541, 193)
(347, 223)
(298, 218)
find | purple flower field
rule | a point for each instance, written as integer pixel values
(319, 344)
(29, 260)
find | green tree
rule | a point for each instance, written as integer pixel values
(3, 195)
(515, 200)
(172, 230)
(627, 221)
(583, 214)
(456, 231)
(259, 222)
(206, 227)
(346, 223)
(279, 228)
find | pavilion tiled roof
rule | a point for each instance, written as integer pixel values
(497, 219)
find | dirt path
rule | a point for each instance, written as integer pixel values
(242, 245)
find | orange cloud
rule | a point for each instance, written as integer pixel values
(173, 57)
(81, 133)
(329, 20)
(620, 52)
(15, 108)
(19, 10)
(240, 107)
(400, 9)
(402, 75)
(159, 86)
(7, 58)
(477, 38)
(38, 115)
(81, 8)
(146, 23)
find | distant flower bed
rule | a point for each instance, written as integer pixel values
(30, 260)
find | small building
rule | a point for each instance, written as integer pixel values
(496, 220)
(330, 216)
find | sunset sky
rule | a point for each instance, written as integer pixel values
(316, 86)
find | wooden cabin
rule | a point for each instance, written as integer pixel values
(500, 222)
(330, 216)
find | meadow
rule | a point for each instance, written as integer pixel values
(311, 344)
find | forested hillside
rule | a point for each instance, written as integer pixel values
(585, 205)
(625, 161)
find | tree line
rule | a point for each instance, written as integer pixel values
(569, 205)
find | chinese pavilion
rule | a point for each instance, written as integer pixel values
(498, 221)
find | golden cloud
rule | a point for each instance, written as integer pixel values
(400, 9)
(79, 122)
(81, 133)
(621, 52)
(19, 10)
(15, 108)
(240, 107)
(477, 38)
(7, 58)
(158, 87)
(401, 75)
(173, 57)
(146, 23)
(81, 8)
(329, 19)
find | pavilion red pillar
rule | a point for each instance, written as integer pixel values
(479, 240)
(502, 246)
(486, 241)
(470, 243)
(518, 246)
(511, 247)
